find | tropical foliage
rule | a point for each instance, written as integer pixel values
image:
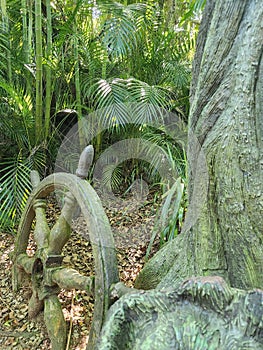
(58, 57)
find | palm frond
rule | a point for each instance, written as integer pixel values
(177, 74)
(15, 188)
(195, 7)
(15, 185)
(4, 48)
(112, 177)
(173, 150)
(149, 101)
(113, 98)
(170, 212)
(110, 98)
(17, 122)
(123, 27)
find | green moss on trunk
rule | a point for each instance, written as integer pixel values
(226, 118)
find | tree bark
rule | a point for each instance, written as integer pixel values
(226, 117)
(203, 313)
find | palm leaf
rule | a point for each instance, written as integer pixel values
(123, 27)
(168, 213)
(16, 108)
(16, 186)
(195, 7)
(109, 99)
(4, 48)
(128, 100)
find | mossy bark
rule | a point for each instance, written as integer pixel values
(203, 313)
(227, 119)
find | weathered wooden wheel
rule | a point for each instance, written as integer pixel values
(47, 274)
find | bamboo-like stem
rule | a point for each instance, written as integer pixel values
(30, 26)
(48, 69)
(39, 71)
(26, 44)
(24, 30)
(5, 28)
(77, 80)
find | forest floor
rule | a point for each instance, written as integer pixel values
(131, 228)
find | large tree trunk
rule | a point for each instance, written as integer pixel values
(226, 238)
(227, 118)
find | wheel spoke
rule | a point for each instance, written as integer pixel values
(55, 322)
(35, 305)
(26, 262)
(61, 231)
(71, 279)
(42, 231)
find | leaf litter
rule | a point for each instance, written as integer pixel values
(131, 229)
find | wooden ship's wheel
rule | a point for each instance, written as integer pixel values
(48, 275)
